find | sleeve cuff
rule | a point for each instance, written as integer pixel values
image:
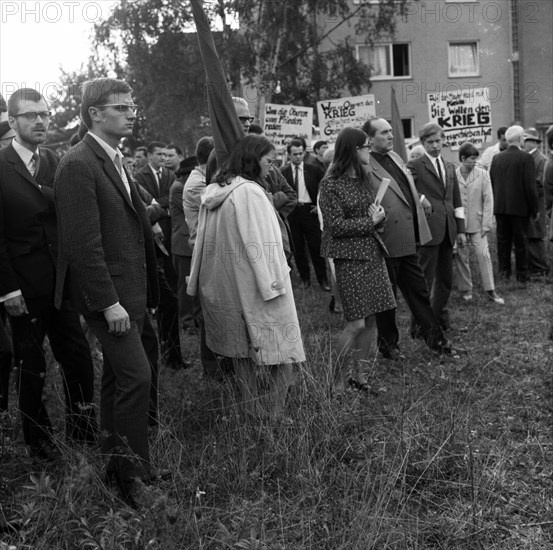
(112, 306)
(10, 295)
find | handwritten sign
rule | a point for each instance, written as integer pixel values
(335, 114)
(464, 115)
(283, 122)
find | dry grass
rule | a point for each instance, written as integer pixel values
(447, 453)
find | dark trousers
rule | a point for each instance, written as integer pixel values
(168, 319)
(151, 347)
(6, 354)
(437, 265)
(71, 351)
(305, 229)
(512, 230)
(537, 256)
(125, 399)
(190, 311)
(406, 273)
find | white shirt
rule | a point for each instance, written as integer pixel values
(25, 154)
(435, 161)
(459, 211)
(112, 153)
(303, 195)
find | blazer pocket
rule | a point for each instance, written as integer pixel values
(115, 269)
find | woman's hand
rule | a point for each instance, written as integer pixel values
(377, 213)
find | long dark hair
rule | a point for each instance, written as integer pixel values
(345, 153)
(244, 160)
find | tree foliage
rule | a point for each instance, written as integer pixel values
(286, 48)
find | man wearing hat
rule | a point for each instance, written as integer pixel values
(537, 257)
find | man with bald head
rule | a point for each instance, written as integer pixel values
(513, 177)
(405, 229)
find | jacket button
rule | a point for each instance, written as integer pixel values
(144, 266)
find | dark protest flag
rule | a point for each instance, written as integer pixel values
(397, 129)
(225, 125)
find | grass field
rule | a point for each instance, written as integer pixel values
(444, 453)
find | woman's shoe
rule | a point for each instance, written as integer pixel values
(494, 297)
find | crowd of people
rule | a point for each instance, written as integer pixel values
(94, 244)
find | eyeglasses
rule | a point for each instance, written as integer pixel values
(123, 108)
(31, 116)
(269, 160)
(245, 118)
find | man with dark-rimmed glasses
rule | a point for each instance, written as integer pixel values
(28, 256)
(107, 254)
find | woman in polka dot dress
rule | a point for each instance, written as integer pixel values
(350, 236)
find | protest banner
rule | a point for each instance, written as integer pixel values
(283, 122)
(464, 115)
(335, 114)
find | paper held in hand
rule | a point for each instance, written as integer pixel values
(381, 191)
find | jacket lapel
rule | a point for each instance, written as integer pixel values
(15, 160)
(430, 167)
(109, 168)
(380, 174)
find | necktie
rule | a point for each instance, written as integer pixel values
(159, 173)
(297, 177)
(35, 164)
(440, 174)
(118, 165)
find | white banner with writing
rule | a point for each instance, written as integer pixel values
(283, 122)
(464, 115)
(335, 114)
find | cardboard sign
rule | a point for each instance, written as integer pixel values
(464, 115)
(283, 122)
(335, 114)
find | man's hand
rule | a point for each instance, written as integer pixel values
(461, 240)
(16, 306)
(426, 206)
(118, 320)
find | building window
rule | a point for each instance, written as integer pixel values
(463, 59)
(386, 61)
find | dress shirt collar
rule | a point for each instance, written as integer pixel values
(111, 152)
(434, 159)
(24, 154)
(155, 172)
(299, 166)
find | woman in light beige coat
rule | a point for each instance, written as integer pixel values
(477, 197)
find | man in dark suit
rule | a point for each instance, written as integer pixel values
(304, 178)
(28, 255)
(107, 255)
(435, 179)
(537, 254)
(515, 197)
(157, 181)
(190, 312)
(405, 229)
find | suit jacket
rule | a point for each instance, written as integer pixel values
(513, 178)
(146, 179)
(536, 228)
(105, 238)
(179, 229)
(28, 234)
(312, 176)
(399, 233)
(444, 199)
